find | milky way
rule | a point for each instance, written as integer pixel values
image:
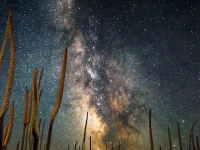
(124, 58)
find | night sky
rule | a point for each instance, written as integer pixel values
(124, 58)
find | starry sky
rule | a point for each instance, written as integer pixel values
(124, 58)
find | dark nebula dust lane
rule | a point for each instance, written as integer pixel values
(124, 58)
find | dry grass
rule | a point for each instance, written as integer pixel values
(31, 112)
